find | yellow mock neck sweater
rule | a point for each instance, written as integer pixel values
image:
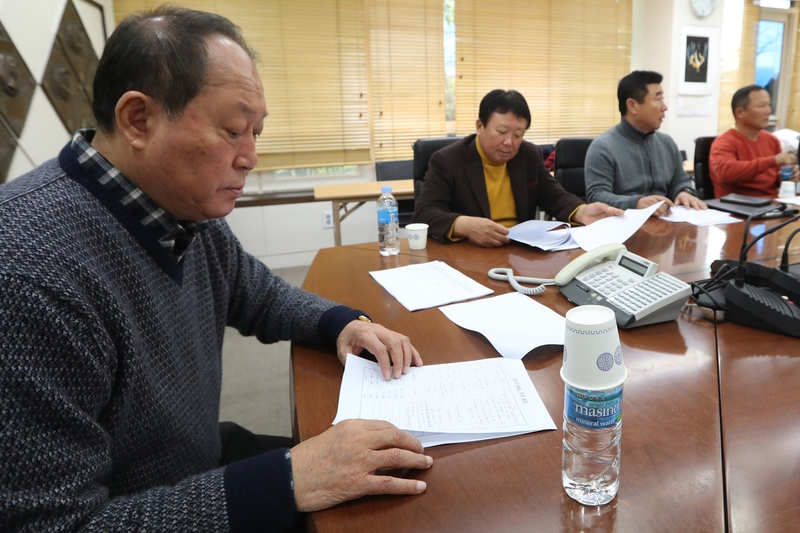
(498, 186)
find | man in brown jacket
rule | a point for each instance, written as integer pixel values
(479, 186)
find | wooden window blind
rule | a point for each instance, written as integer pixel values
(565, 56)
(314, 70)
(314, 73)
(406, 74)
(793, 113)
(738, 58)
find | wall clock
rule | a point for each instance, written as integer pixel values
(702, 8)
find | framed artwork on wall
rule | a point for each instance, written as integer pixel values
(700, 47)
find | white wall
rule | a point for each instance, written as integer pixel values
(656, 45)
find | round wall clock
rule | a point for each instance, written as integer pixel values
(702, 8)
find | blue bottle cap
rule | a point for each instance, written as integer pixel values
(386, 189)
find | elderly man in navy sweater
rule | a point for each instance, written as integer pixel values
(117, 279)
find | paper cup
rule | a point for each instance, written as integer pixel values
(787, 189)
(417, 236)
(592, 353)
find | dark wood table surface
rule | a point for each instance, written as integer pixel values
(710, 439)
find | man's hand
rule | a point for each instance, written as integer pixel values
(647, 201)
(796, 174)
(784, 159)
(588, 213)
(393, 351)
(689, 201)
(481, 231)
(341, 464)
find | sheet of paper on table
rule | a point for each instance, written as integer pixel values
(612, 230)
(700, 217)
(447, 403)
(426, 285)
(793, 200)
(514, 323)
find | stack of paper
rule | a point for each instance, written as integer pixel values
(448, 403)
(541, 234)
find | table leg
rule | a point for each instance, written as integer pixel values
(337, 223)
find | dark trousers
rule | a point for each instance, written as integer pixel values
(239, 443)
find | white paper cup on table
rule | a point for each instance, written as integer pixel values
(592, 352)
(417, 236)
(787, 190)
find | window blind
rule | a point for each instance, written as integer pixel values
(793, 113)
(406, 74)
(565, 56)
(738, 57)
(314, 70)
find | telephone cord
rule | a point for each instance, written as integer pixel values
(507, 274)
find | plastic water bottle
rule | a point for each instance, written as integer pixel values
(388, 227)
(591, 453)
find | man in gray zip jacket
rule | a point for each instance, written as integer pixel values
(632, 165)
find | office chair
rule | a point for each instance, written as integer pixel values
(702, 174)
(398, 170)
(570, 160)
(423, 150)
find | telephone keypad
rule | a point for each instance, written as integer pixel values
(628, 292)
(646, 292)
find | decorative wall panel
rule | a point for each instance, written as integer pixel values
(16, 85)
(70, 72)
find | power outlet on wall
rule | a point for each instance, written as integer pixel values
(327, 219)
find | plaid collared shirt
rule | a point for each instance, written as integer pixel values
(174, 235)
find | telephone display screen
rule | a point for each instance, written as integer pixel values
(633, 266)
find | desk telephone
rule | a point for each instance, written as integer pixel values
(613, 277)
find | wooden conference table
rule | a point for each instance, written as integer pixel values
(710, 440)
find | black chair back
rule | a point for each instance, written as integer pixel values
(394, 170)
(570, 160)
(398, 170)
(702, 174)
(423, 150)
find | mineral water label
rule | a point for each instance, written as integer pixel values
(593, 409)
(387, 216)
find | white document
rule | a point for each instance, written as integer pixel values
(541, 234)
(514, 323)
(447, 403)
(794, 200)
(611, 230)
(700, 217)
(428, 285)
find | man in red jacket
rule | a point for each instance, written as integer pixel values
(746, 159)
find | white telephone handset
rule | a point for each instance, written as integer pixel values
(607, 252)
(613, 277)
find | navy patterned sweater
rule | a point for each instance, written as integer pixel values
(110, 367)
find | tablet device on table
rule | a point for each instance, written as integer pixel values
(768, 211)
(743, 199)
